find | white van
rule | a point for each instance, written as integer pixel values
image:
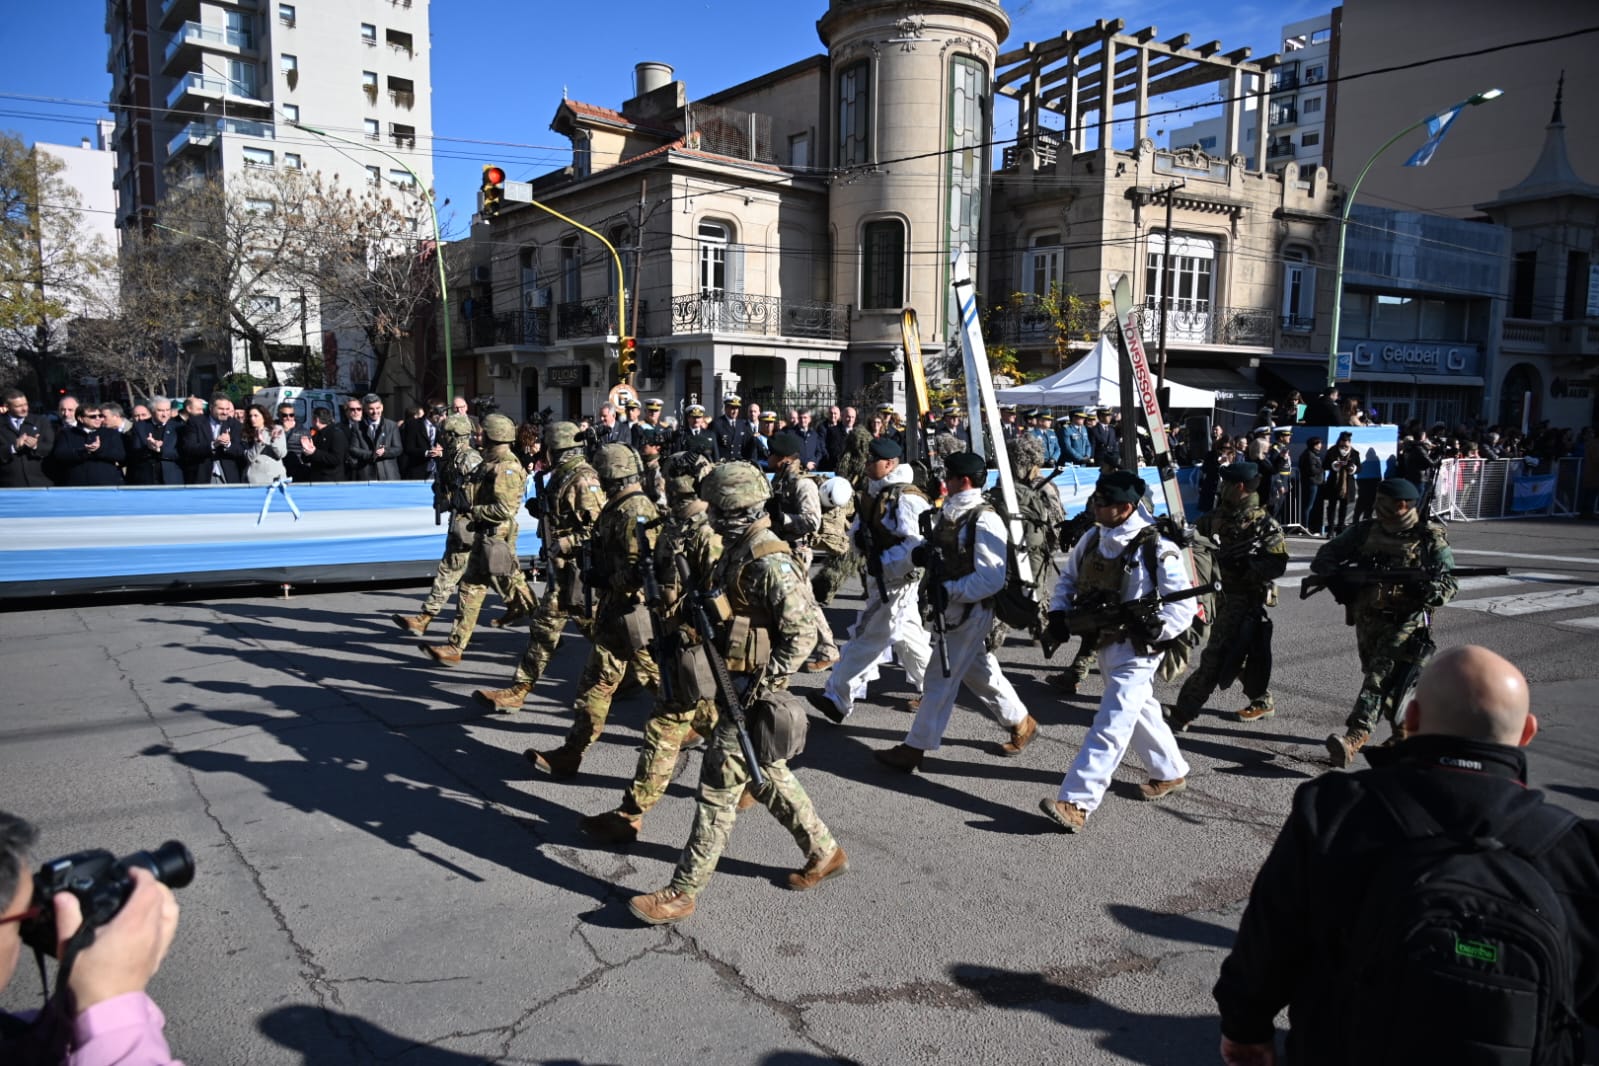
(304, 400)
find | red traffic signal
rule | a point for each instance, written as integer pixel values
(626, 360)
(492, 194)
(493, 176)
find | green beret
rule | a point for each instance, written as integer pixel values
(886, 448)
(1240, 472)
(966, 464)
(1399, 489)
(784, 444)
(1120, 486)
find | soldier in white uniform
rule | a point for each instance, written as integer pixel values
(1123, 559)
(966, 553)
(887, 530)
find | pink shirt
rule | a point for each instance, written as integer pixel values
(122, 1031)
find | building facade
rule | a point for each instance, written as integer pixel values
(1303, 97)
(87, 169)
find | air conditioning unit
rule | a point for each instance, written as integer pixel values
(499, 370)
(481, 275)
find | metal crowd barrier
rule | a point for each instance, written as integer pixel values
(1472, 490)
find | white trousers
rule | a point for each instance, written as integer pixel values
(1129, 717)
(881, 626)
(972, 665)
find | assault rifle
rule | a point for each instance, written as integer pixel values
(1238, 551)
(585, 560)
(937, 594)
(1346, 581)
(874, 561)
(660, 647)
(1097, 616)
(726, 694)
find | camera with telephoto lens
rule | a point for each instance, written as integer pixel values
(102, 883)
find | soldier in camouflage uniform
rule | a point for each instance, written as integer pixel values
(497, 495)
(614, 575)
(1039, 503)
(1392, 620)
(451, 493)
(767, 591)
(1252, 554)
(649, 442)
(680, 721)
(568, 506)
(843, 565)
(797, 517)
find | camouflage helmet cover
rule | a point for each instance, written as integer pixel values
(617, 461)
(735, 487)
(1026, 454)
(561, 436)
(458, 426)
(499, 429)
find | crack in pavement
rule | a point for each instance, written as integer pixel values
(1072, 985)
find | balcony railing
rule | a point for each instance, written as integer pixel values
(1196, 322)
(214, 36)
(770, 316)
(1299, 323)
(1280, 150)
(1029, 325)
(1579, 337)
(205, 133)
(595, 317)
(1285, 83)
(400, 98)
(527, 328)
(201, 83)
(1284, 116)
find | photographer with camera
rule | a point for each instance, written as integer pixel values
(100, 1014)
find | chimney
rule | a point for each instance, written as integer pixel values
(647, 77)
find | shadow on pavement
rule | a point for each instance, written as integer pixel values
(1183, 927)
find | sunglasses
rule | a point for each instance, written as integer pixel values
(97, 414)
(25, 916)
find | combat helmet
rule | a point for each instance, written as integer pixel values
(457, 426)
(735, 487)
(561, 436)
(1026, 454)
(617, 462)
(684, 471)
(499, 429)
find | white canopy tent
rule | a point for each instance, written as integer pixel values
(1095, 381)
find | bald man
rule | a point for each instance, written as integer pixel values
(1461, 776)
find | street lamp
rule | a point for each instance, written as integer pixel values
(1437, 125)
(438, 243)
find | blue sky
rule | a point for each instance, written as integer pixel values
(499, 69)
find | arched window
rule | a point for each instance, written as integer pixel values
(883, 265)
(854, 115)
(571, 269)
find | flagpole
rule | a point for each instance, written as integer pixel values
(1446, 119)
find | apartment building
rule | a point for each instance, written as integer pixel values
(87, 168)
(1303, 99)
(210, 87)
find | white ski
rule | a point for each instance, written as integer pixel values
(977, 372)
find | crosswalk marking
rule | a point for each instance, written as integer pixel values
(1591, 622)
(1467, 584)
(1534, 602)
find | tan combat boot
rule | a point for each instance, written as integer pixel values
(1256, 713)
(662, 908)
(514, 613)
(901, 757)
(1153, 790)
(414, 624)
(613, 827)
(819, 868)
(1344, 748)
(1398, 736)
(504, 699)
(1068, 816)
(1021, 735)
(747, 800)
(560, 763)
(444, 654)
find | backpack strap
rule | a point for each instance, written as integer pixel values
(1532, 828)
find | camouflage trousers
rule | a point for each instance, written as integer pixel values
(836, 570)
(602, 676)
(826, 646)
(1233, 614)
(722, 779)
(544, 636)
(1388, 651)
(474, 588)
(657, 759)
(451, 568)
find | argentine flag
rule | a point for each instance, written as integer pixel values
(1437, 126)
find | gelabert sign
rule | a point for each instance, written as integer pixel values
(1412, 357)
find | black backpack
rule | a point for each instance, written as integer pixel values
(1460, 952)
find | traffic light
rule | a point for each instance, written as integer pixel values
(493, 192)
(627, 357)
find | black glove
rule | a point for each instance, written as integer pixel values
(1147, 628)
(535, 506)
(921, 555)
(874, 564)
(1058, 629)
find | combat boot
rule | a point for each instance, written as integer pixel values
(515, 613)
(912, 705)
(824, 703)
(1021, 735)
(1256, 713)
(504, 699)
(662, 908)
(1179, 720)
(1153, 790)
(444, 654)
(748, 799)
(1066, 682)
(613, 827)
(1398, 736)
(414, 624)
(1068, 816)
(819, 868)
(818, 665)
(560, 763)
(1344, 748)
(901, 757)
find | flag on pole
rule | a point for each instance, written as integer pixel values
(1437, 126)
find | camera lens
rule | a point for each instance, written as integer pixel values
(171, 864)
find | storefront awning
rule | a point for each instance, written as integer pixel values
(1225, 383)
(1466, 381)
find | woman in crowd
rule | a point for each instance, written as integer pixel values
(528, 443)
(264, 447)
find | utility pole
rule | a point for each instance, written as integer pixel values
(638, 269)
(1167, 275)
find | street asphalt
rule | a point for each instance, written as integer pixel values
(384, 878)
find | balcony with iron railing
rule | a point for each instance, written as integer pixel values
(204, 134)
(1286, 81)
(193, 35)
(510, 328)
(1570, 337)
(209, 88)
(1028, 325)
(1299, 324)
(1197, 322)
(767, 316)
(1280, 150)
(1284, 116)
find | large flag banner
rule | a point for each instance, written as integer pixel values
(1437, 126)
(1532, 493)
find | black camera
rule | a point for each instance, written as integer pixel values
(102, 883)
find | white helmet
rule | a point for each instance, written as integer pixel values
(836, 493)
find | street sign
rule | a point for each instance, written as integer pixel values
(1346, 367)
(520, 192)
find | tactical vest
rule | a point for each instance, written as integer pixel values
(1393, 550)
(747, 635)
(879, 506)
(1101, 581)
(785, 495)
(455, 477)
(571, 477)
(956, 543)
(615, 536)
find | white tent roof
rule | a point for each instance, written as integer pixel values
(1094, 381)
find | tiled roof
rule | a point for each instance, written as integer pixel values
(615, 118)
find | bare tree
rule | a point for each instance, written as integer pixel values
(147, 335)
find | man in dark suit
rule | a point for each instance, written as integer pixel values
(87, 453)
(378, 451)
(735, 437)
(25, 443)
(210, 445)
(326, 448)
(421, 445)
